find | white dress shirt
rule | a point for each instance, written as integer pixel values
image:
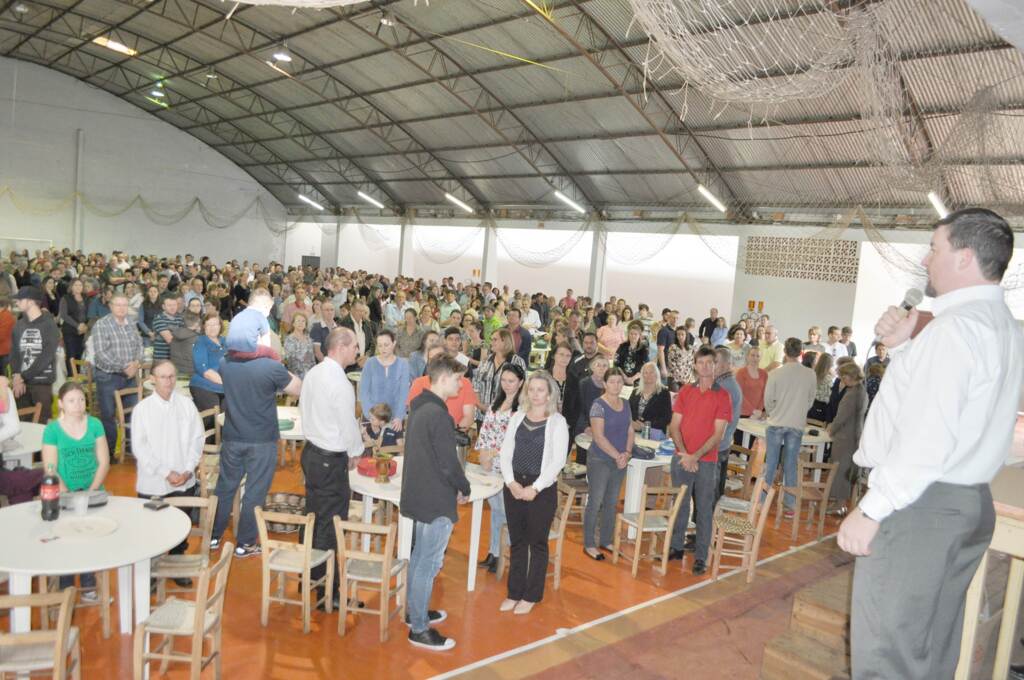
(167, 436)
(531, 319)
(836, 349)
(327, 406)
(946, 409)
(10, 426)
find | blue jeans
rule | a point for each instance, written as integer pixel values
(497, 503)
(106, 385)
(787, 441)
(256, 463)
(430, 541)
(604, 484)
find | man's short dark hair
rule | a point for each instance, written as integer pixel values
(704, 351)
(832, 329)
(793, 347)
(386, 333)
(590, 334)
(442, 365)
(847, 330)
(452, 330)
(665, 311)
(986, 233)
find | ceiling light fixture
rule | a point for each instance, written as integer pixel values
(387, 19)
(370, 199)
(104, 41)
(158, 93)
(459, 203)
(937, 203)
(569, 202)
(282, 54)
(21, 8)
(712, 199)
(211, 74)
(278, 69)
(311, 202)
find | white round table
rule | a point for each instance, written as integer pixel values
(284, 413)
(30, 442)
(636, 471)
(140, 535)
(482, 486)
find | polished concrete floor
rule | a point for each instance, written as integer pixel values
(589, 590)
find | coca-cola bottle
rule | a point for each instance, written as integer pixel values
(49, 494)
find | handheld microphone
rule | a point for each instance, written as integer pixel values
(912, 298)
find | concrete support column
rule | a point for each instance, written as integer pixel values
(78, 225)
(405, 249)
(598, 259)
(489, 265)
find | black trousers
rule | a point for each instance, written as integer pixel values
(38, 394)
(74, 345)
(185, 493)
(529, 523)
(327, 494)
(205, 399)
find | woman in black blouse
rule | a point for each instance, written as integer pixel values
(72, 315)
(632, 353)
(650, 402)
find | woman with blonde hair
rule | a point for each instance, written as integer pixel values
(845, 431)
(532, 455)
(824, 378)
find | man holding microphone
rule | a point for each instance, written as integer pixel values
(937, 433)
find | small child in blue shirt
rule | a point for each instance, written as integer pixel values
(377, 432)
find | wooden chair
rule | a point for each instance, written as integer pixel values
(808, 490)
(81, 372)
(293, 560)
(51, 584)
(167, 567)
(566, 505)
(124, 421)
(754, 471)
(655, 523)
(738, 536)
(30, 414)
(375, 570)
(579, 506)
(42, 650)
(211, 435)
(201, 620)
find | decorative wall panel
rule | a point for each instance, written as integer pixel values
(811, 259)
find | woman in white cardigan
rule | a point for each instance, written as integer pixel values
(532, 455)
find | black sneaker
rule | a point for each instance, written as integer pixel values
(250, 550)
(699, 567)
(431, 639)
(674, 554)
(434, 615)
(690, 544)
(214, 544)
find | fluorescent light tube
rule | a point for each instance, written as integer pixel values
(370, 199)
(937, 203)
(712, 199)
(569, 202)
(114, 45)
(459, 203)
(311, 202)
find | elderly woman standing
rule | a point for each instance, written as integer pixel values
(611, 427)
(532, 455)
(845, 431)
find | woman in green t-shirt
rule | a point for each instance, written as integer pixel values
(75, 445)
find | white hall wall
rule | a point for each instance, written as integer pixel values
(523, 255)
(126, 151)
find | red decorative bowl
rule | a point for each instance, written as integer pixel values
(367, 467)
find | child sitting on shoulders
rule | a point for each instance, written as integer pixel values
(377, 431)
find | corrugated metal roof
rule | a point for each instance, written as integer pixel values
(812, 152)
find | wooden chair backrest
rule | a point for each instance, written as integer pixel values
(806, 471)
(210, 602)
(305, 524)
(353, 531)
(207, 507)
(212, 414)
(81, 370)
(58, 637)
(34, 413)
(566, 498)
(206, 473)
(666, 509)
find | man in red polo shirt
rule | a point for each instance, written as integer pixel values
(461, 407)
(700, 415)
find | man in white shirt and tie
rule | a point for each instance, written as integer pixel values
(167, 441)
(327, 406)
(937, 433)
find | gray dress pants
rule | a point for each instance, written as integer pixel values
(908, 594)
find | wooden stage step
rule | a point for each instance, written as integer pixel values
(822, 611)
(794, 656)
